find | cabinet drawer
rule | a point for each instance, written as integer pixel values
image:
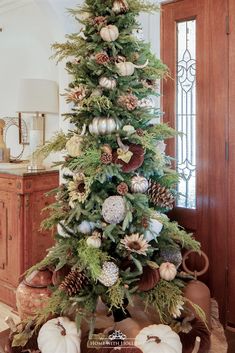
(7, 184)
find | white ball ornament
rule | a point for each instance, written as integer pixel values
(103, 126)
(167, 271)
(86, 227)
(109, 274)
(114, 209)
(73, 146)
(158, 339)
(139, 184)
(109, 33)
(59, 335)
(108, 83)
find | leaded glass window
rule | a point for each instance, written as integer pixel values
(186, 113)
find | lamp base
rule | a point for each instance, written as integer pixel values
(35, 167)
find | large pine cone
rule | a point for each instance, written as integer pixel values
(160, 196)
(74, 282)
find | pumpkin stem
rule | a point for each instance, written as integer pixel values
(125, 148)
(63, 330)
(155, 338)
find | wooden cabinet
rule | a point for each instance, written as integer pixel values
(22, 198)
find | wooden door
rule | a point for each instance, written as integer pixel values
(231, 171)
(206, 216)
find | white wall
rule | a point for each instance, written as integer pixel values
(25, 48)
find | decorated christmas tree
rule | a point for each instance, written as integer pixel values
(114, 243)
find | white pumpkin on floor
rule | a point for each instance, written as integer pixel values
(158, 339)
(59, 335)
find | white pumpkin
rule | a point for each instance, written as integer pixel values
(158, 339)
(167, 271)
(139, 184)
(59, 335)
(73, 146)
(86, 227)
(129, 129)
(127, 68)
(103, 126)
(108, 83)
(94, 240)
(109, 33)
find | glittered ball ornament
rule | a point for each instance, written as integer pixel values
(108, 83)
(103, 126)
(139, 184)
(120, 6)
(109, 33)
(109, 274)
(167, 271)
(114, 209)
(171, 254)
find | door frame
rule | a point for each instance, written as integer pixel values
(212, 113)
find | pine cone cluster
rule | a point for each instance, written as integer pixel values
(74, 282)
(130, 102)
(122, 189)
(76, 94)
(100, 20)
(160, 195)
(106, 158)
(102, 58)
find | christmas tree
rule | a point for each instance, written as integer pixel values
(114, 241)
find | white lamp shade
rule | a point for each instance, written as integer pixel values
(38, 96)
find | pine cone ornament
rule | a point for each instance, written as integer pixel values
(130, 102)
(122, 189)
(102, 58)
(140, 132)
(100, 20)
(74, 282)
(106, 158)
(160, 195)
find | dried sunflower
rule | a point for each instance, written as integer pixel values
(136, 243)
(79, 189)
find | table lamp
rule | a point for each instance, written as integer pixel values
(37, 97)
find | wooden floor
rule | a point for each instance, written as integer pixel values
(4, 312)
